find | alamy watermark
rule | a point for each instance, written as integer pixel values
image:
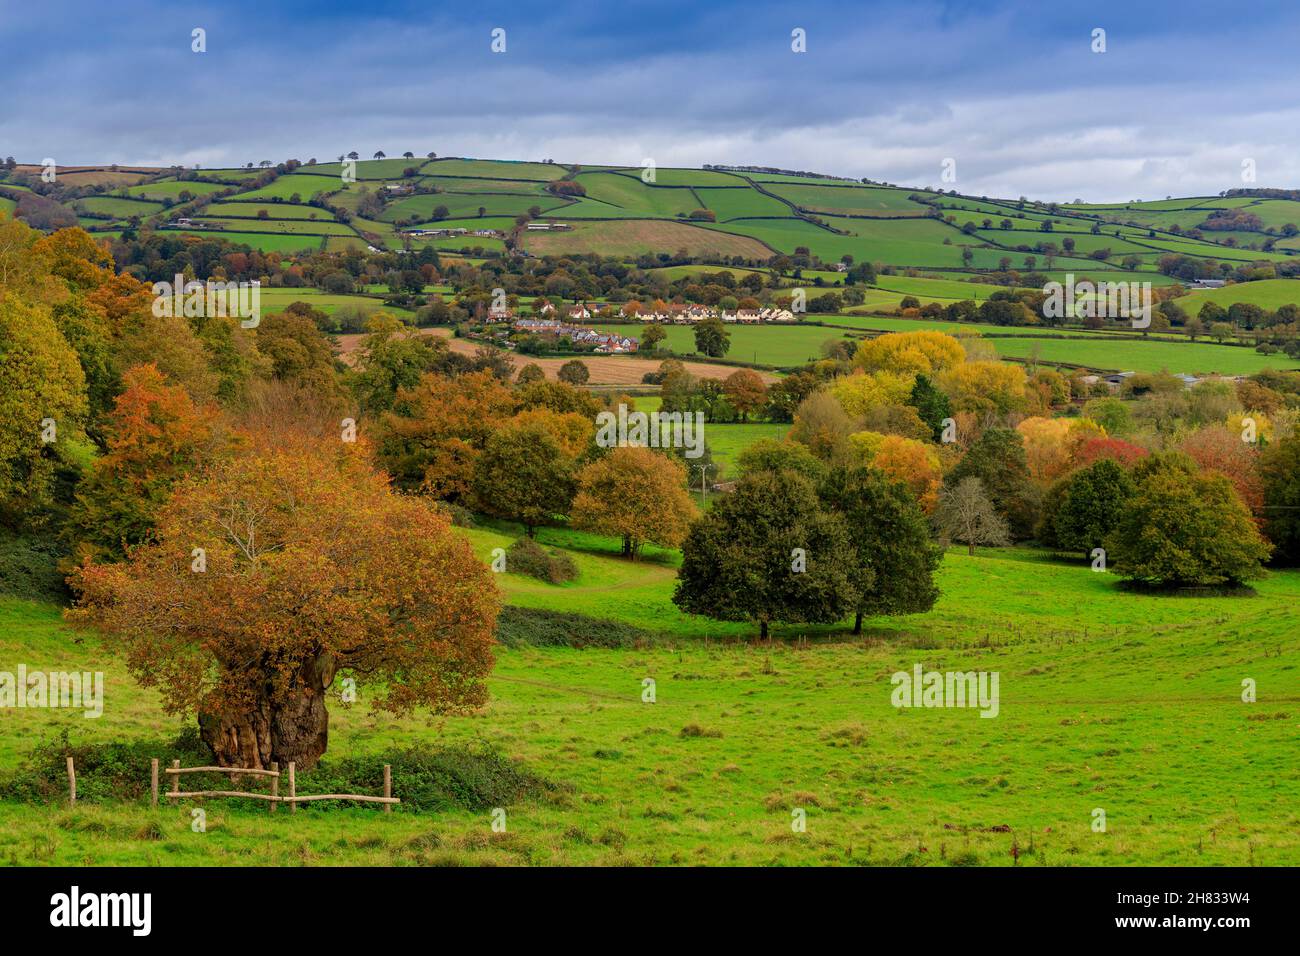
(923, 688)
(195, 299)
(84, 690)
(1104, 300)
(655, 430)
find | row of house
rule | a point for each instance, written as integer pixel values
(678, 313)
(537, 226)
(606, 342)
(443, 233)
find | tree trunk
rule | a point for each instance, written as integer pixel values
(296, 728)
(762, 629)
(857, 623)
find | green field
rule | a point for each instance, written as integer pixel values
(1266, 293)
(172, 189)
(1107, 700)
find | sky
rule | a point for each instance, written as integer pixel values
(1011, 98)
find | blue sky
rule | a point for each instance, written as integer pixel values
(1010, 91)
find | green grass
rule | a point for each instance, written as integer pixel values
(172, 189)
(1123, 702)
(267, 242)
(1266, 293)
(274, 210)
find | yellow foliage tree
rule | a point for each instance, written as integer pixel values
(910, 352)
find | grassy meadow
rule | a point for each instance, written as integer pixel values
(1108, 700)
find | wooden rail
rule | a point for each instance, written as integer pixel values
(273, 798)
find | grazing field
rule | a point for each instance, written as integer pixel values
(1144, 356)
(274, 210)
(780, 345)
(1107, 700)
(637, 237)
(121, 208)
(172, 189)
(267, 242)
(1266, 293)
(855, 200)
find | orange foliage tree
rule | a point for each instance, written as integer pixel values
(437, 430)
(637, 494)
(279, 568)
(155, 435)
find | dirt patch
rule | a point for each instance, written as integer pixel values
(604, 369)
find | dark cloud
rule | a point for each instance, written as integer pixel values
(1010, 91)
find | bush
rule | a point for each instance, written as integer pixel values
(441, 778)
(528, 557)
(436, 779)
(105, 771)
(29, 568)
(461, 517)
(540, 628)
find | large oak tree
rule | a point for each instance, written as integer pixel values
(310, 565)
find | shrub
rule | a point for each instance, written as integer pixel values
(29, 568)
(541, 628)
(528, 557)
(461, 517)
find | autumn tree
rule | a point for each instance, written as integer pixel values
(652, 336)
(895, 559)
(273, 572)
(821, 423)
(745, 391)
(155, 436)
(42, 404)
(636, 494)
(768, 551)
(436, 431)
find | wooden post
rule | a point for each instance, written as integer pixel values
(275, 784)
(153, 779)
(72, 783)
(388, 786)
(293, 788)
(176, 778)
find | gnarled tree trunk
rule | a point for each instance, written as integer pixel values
(295, 728)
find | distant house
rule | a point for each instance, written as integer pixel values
(605, 342)
(1207, 284)
(399, 189)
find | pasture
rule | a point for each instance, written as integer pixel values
(1108, 700)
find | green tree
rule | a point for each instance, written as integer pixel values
(931, 404)
(998, 460)
(524, 475)
(895, 558)
(712, 338)
(574, 372)
(1279, 467)
(1085, 507)
(1184, 528)
(768, 551)
(652, 336)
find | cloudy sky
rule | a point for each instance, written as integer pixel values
(1011, 92)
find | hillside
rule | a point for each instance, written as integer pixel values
(711, 213)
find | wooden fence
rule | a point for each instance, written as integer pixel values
(273, 798)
